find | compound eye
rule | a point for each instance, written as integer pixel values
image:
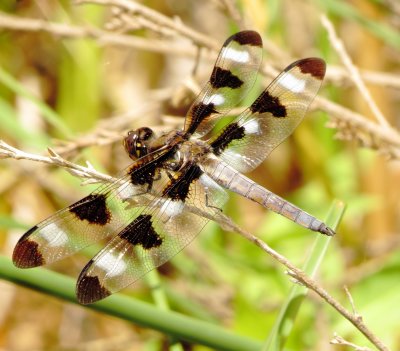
(145, 133)
(135, 142)
(129, 143)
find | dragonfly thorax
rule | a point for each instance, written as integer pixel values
(177, 179)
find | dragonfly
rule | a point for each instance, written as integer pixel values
(178, 180)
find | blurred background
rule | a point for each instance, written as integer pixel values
(77, 76)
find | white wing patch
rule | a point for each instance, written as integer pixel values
(172, 208)
(238, 158)
(235, 55)
(290, 82)
(128, 191)
(216, 99)
(54, 235)
(252, 127)
(114, 266)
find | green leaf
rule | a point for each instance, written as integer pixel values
(287, 315)
(178, 326)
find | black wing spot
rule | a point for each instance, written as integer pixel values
(314, 66)
(199, 113)
(144, 171)
(141, 232)
(92, 208)
(232, 132)
(178, 188)
(268, 103)
(223, 78)
(27, 254)
(89, 289)
(246, 37)
(141, 174)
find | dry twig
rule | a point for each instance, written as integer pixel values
(156, 18)
(101, 36)
(335, 73)
(234, 13)
(353, 307)
(90, 174)
(351, 125)
(338, 340)
(354, 126)
(354, 73)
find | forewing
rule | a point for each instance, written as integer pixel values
(94, 218)
(234, 74)
(162, 229)
(248, 140)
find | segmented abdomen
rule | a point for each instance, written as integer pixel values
(235, 181)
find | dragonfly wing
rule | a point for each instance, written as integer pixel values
(273, 116)
(159, 232)
(233, 75)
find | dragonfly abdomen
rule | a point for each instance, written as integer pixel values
(233, 180)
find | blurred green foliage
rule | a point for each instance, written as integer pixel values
(56, 88)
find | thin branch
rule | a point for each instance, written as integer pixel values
(103, 37)
(335, 73)
(350, 124)
(338, 340)
(353, 70)
(356, 320)
(342, 116)
(89, 173)
(109, 130)
(340, 76)
(354, 126)
(161, 20)
(234, 13)
(353, 307)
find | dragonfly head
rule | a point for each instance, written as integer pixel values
(136, 142)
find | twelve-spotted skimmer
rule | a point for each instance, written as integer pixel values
(147, 215)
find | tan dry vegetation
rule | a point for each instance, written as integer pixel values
(107, 66)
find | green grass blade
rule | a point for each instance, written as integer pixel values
(287, 315)
(12, 126)
(161, 301)
(8, 222)
(380, 29)
(178, 326)
(49, 114)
